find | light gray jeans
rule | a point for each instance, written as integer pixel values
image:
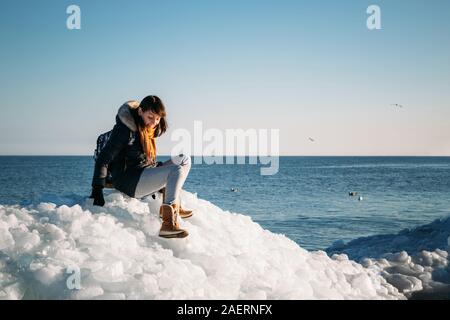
(171, 175)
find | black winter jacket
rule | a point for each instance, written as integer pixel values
(123, 153)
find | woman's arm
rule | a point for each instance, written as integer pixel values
(118, 140)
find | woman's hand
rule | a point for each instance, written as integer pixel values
(97, 195)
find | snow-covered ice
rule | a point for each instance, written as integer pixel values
(55, 251)
(415, 261)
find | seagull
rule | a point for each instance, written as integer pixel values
(311, 139)
(397, 105)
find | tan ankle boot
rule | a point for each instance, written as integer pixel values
(184, 214)
(176, 210)
(170, 227)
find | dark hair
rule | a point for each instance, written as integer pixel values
(155, 104)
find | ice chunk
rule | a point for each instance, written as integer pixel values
(115, 253)
(6, 239)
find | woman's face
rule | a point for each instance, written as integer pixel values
(150, 118)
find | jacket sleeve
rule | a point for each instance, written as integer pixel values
(116, 143)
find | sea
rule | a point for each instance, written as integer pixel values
(315, 201)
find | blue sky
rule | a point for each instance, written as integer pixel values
(308, 68)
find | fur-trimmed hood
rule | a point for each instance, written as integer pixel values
(125, 116)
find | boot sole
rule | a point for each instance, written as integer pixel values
(183, 234)
(182, 217)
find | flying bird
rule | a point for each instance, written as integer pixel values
(311, 139)
(397, 105)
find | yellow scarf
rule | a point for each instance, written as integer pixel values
(147, 135)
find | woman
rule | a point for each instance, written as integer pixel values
(130, 158)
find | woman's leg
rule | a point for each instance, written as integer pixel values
(171, 175)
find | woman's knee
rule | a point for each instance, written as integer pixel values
(187, 161)
(182, 160)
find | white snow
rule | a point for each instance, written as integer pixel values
(415, 261)
(119, 256)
